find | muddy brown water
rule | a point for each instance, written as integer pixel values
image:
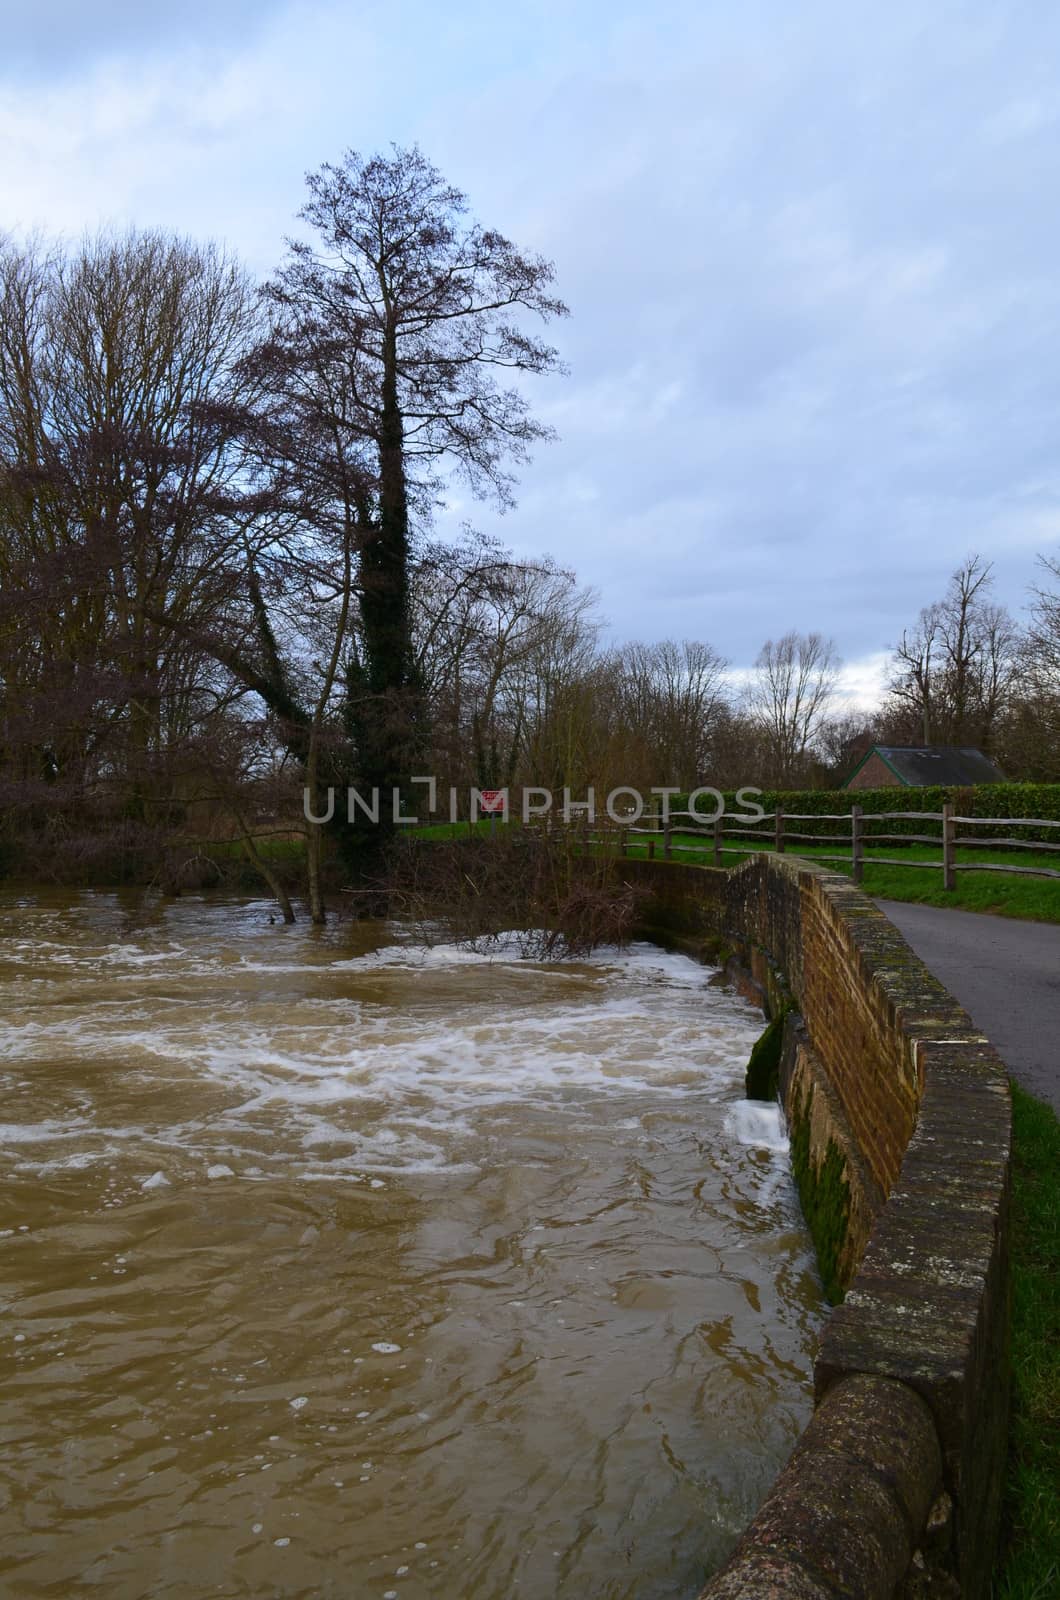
(334, 1266)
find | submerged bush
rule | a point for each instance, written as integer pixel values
(536, 886)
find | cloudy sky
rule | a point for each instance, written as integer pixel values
(811, 252)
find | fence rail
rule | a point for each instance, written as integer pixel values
(668, 837)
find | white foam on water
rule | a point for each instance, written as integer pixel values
(12, 1133)
(357, 1068)
(755, 1123)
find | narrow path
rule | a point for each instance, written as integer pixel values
(1006, 975)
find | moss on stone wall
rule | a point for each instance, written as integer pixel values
(763, 1069)
(824, 1194)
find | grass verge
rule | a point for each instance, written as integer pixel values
(1029, 1563)
(995, 892)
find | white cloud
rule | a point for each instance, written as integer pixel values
(862, 682)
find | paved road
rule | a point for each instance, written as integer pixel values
(1006, 975)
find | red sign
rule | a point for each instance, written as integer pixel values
(491, 802)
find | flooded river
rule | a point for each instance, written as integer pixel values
(332, 1266)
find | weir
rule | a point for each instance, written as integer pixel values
(900, 1120)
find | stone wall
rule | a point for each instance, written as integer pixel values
(899, 1117)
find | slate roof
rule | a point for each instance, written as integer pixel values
(918, 766)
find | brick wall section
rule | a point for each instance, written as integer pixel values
(926, 1100)
(805, 1087)
(875, 774)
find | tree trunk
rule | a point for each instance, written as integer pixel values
(390, 712)
(262, 866)
(317, 913)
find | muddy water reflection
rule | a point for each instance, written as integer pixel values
(331, 1268)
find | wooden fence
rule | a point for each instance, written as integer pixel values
(670, 837)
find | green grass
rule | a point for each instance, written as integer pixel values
(999, 893)
(1036, 898)
(459, 830)
(1029, 1564)
(282, 847)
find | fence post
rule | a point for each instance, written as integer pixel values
(717, 841)
(778, 838)
(857, 847)
(668, 848)
(622, 842)
(651, 848)
(949, 877)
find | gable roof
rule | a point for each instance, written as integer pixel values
(919, 765)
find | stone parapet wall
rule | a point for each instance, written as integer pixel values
(900, 1119)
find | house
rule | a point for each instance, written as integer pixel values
(910, 767)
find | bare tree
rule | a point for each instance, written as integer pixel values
(401, 316)
(544, 632)
(672, 698)
(1029, 737)
(916, 672)
(952, 672)
(788, 698)
(844, 739)
(499, 641)
(115, 363)
(1044, 631)
(454, 591)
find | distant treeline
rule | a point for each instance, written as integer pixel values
(221, 581)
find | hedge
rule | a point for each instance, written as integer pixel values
(983, 800)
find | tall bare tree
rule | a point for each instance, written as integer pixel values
(952, 672)
(406, 317)
(788, 697)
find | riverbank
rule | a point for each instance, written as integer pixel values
(1003, 894)
(224, 863)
